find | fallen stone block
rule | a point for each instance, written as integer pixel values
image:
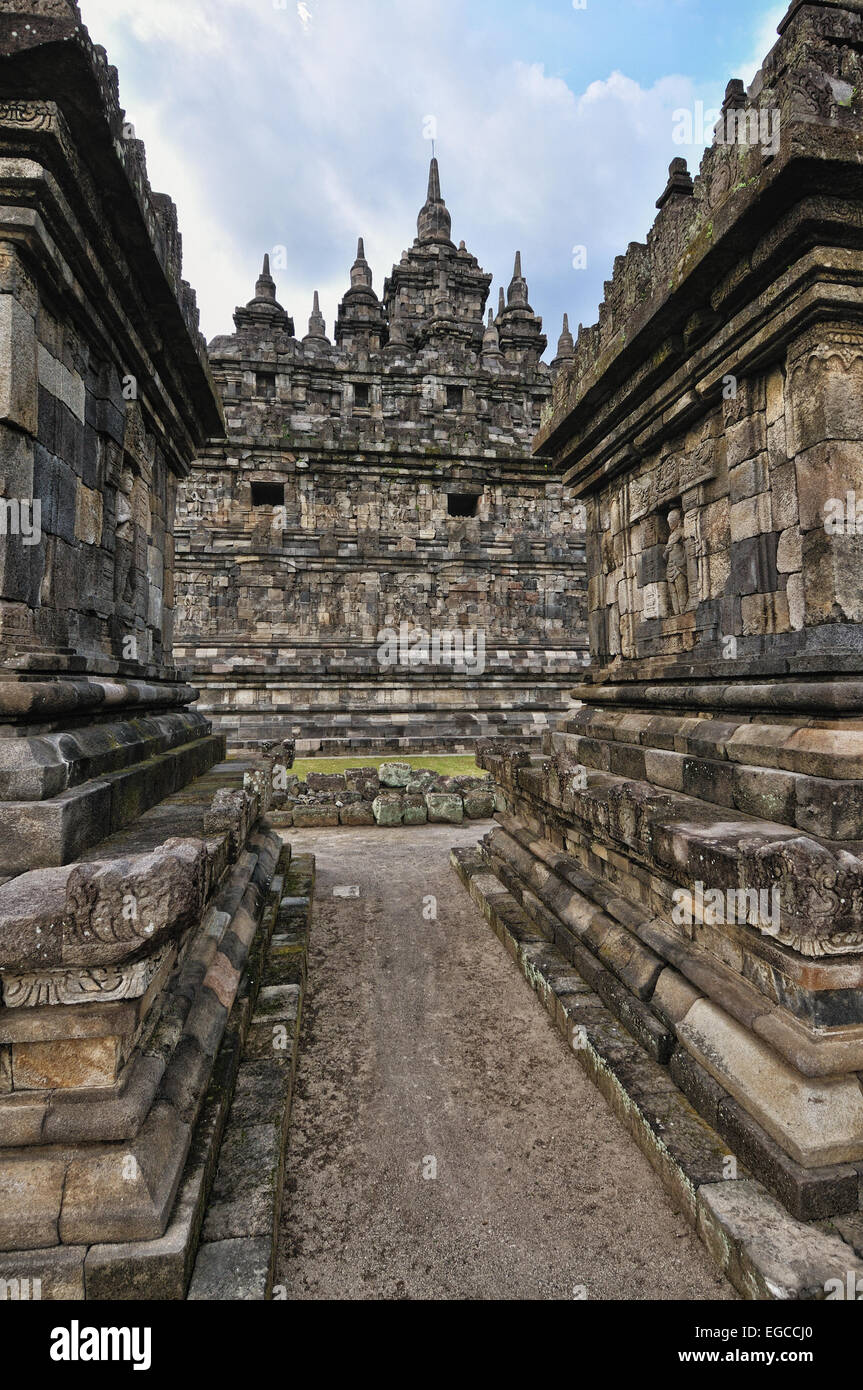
(307, 814)
(388, 809)
(445, 808)
(479, 805)
(357, 813)
(416, 811)
(325, 782)
(364, 780)
(395, 774)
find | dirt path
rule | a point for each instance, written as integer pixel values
(423, 1051)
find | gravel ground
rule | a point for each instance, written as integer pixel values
(424, 1052)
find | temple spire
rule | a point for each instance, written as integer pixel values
(520, 329)
(565, 346)
(434, 183)
(360, 323)
(492, 356)
(264, 311)
(317, 327)
(517, 293)
(434, 222)
(361, 271)
(265, 288)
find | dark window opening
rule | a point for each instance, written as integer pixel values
(361, 396)
(462, 503)
(265, 385)
(268, 494)
(454, 397)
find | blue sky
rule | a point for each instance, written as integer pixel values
(294, 128)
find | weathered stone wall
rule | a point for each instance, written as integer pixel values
(361, 446)
(105, 393)
(97, 423)
(709, 442)
(693, 832)
(122, 973)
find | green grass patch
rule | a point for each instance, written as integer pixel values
(446, 764)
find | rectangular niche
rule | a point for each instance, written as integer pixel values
(268, 494)
(462, 503)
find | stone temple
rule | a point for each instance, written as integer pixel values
(382, 482)
(677, 871)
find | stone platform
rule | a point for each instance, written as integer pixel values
(629, 1051)
(111, 1112)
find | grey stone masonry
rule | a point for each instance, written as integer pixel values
(691, 835)
(133, 882)
(382, 483)
(105, 394)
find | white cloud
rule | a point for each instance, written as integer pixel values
(268, 129)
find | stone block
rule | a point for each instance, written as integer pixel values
(325, 782)
(388, 809)
(310, 815)
(415, 810)
(395, 774)
(364, 780)
(65, 1063)
(764, 1251)
(445, 808)
(232, 1271)
(817, 1121)
(31, 1192)
(479, 805)
(19, 382)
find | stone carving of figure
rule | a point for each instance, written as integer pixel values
(124, 505)
(675, 563)
(124, 558)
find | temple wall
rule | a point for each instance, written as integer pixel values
(693, 831)
(382, 480)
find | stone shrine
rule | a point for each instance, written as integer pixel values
(139, 884)
(691, 837)
(382, 483)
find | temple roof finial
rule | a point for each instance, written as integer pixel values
(517, 294)
(679, 184)
(434, 222)
(317, 327)
(264, 310)
(265, 287)
(434, 182)
(361, 273)
(565, 345)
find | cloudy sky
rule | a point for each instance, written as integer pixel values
(296, 127)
